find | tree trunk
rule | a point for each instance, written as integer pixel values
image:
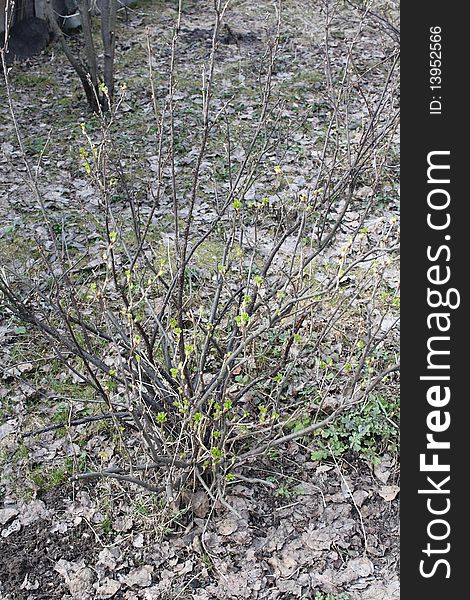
(108, 26)
(84, 8)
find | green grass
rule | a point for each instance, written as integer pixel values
(48, 479)
(28, 80)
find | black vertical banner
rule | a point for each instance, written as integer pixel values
(435, 321)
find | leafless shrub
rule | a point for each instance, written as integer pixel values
(204, 364)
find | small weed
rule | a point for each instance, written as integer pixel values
(300, 424)
(283, 492)
(37, 145)
(61, 413)
(288, 491)
(106, 526)
(48, 479)
(207, 561)
(274, 454)
(141, 509)
(57, 476)
(22, 452)
(38, 478)
(369, 431)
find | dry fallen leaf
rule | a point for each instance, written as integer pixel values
(123, 523)
(389, 492)
(140, 577)
(107, 588)
(356, 568)
(323, 469)
(360, 496)
(284, 565)
(7, 514)
(383, 469)
(227, 526)
(78, 577)
(12, 528)
(138, 541)
(200, 504)
(107, 558)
